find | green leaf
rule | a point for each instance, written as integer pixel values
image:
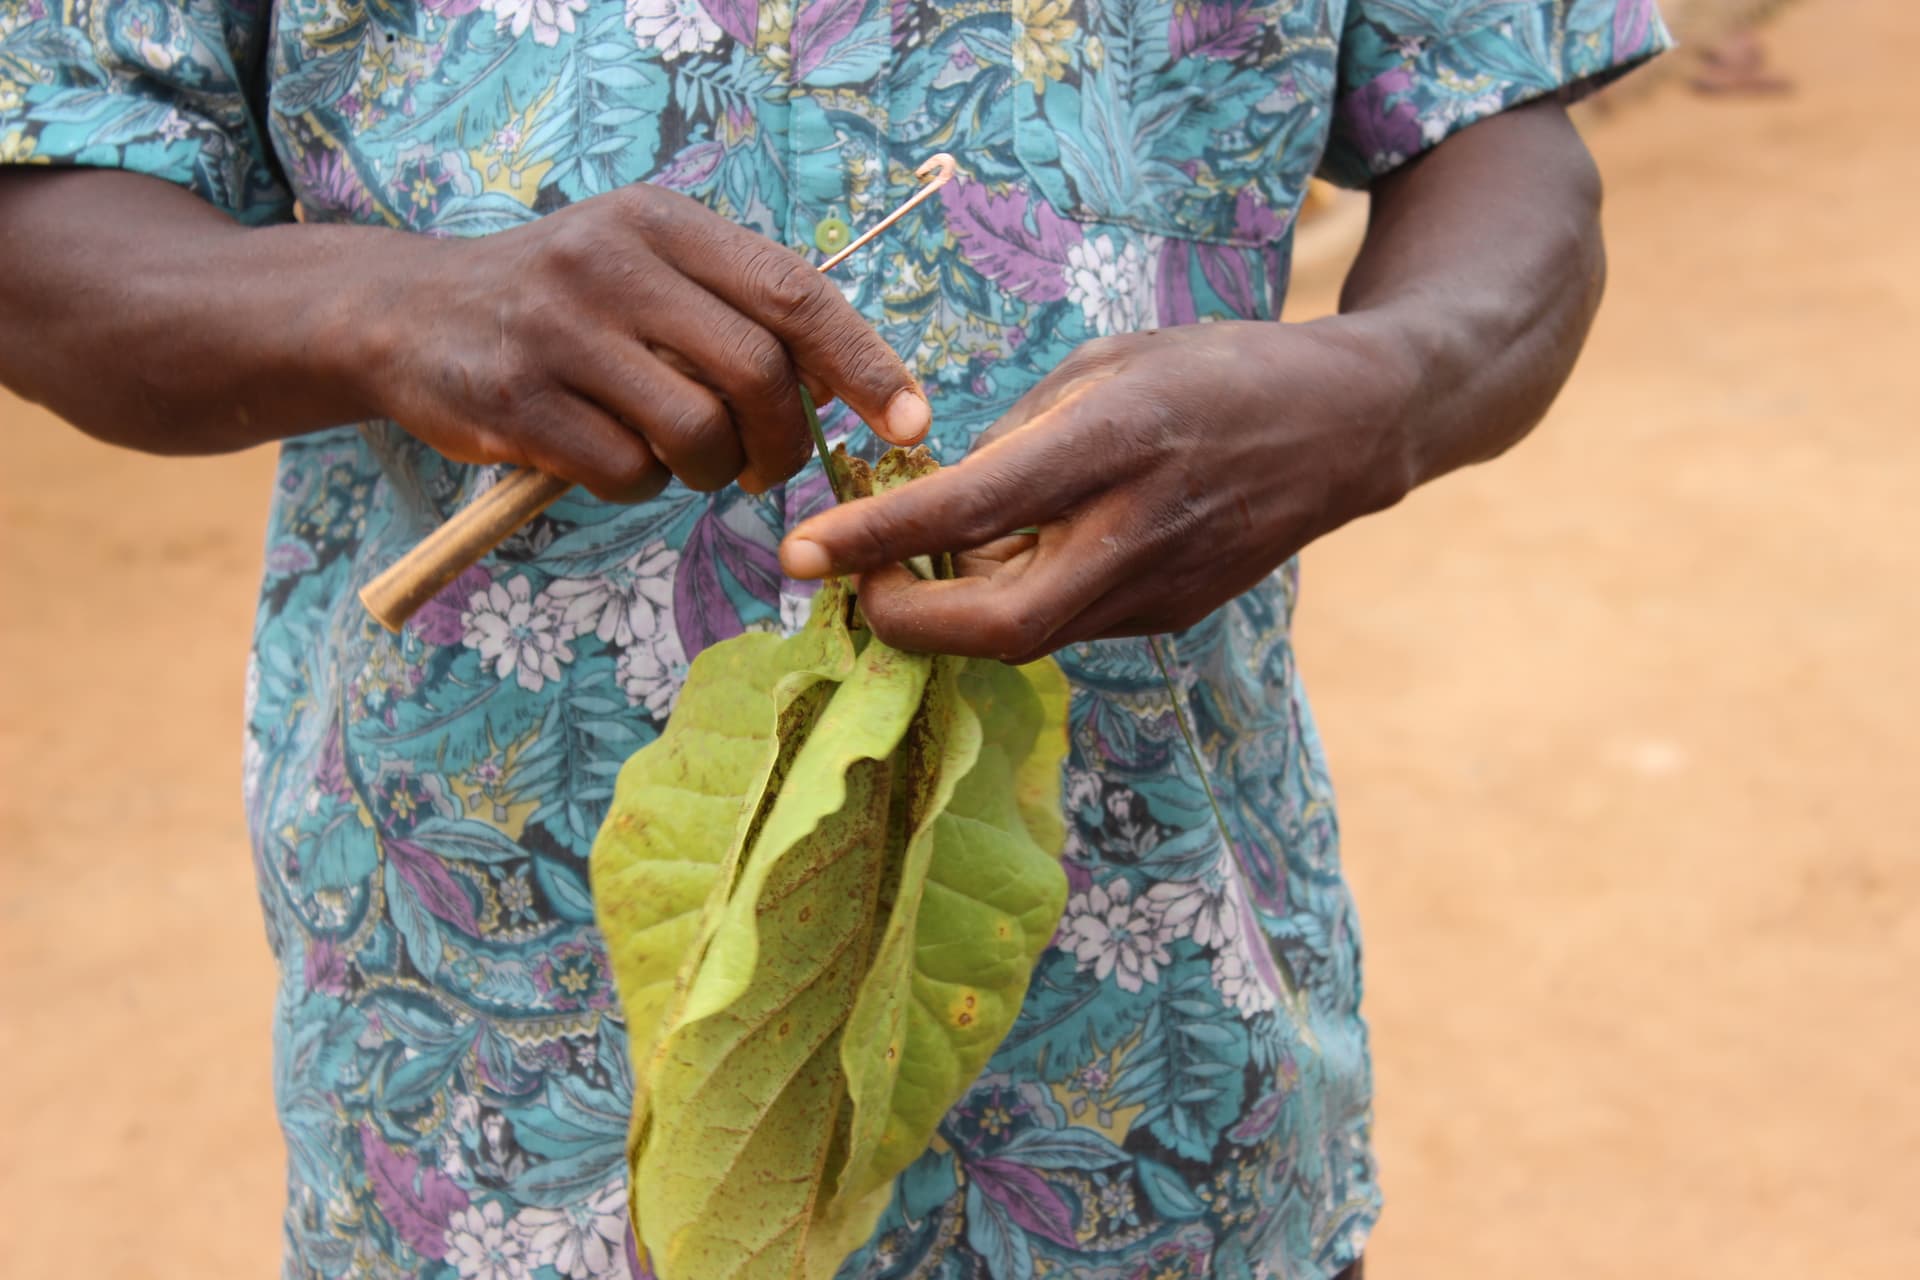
(686, 805)
(745, 1098)
(824, 889)
(979, 898)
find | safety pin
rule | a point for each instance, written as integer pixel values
(523, 493)
(940, 166)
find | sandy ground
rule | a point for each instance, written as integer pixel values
(1624, 728)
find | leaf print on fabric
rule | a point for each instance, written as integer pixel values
(1030, 1203)
(838, 42)
(738, 18)
(1215, 28)
(672, 28)
(728, 545)
(438, 889)
(418, 1203)
(1028, 262)
(513, 634)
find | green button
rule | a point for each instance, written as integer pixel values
(830, 235)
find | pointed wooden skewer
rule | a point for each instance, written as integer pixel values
(480, 526)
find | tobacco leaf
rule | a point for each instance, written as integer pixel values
(686, 806)
(824, 888)
(979, 897)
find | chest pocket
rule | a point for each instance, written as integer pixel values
(1193, 119)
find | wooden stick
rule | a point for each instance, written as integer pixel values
(418, 576)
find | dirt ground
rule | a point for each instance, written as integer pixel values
(1625, 730)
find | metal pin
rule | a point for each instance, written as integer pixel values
(936, 171)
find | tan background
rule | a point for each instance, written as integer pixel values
(1624, 728)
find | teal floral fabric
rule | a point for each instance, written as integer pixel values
(1186, 1093)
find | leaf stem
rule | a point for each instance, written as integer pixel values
(820, 448)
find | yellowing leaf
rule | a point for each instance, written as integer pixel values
(824, 889)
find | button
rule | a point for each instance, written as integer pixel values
(831, 235)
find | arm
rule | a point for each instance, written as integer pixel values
(1168, 471)
(1485, 258)
(621, 339)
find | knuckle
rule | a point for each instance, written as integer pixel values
(693, 427)
(699, 444)
(790, 290)
(632, 470)
(575, 248)
(761, 365)
(1013, 630)
(644, 208)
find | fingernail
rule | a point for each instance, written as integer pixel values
(908, 417)
(804, 560)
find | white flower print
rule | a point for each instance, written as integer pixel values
(514, 635)
(652, 673)
(1114, 285)
(482, 1247)
(581, 1241)
(547, 18)
(674, 27)
(1449, 112)
(1238, 983)
(794, 612)
(1117, 935)
(628, 602)
(1195, 909)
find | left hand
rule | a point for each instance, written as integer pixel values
(1166, 473)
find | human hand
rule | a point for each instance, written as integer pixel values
(1166, 472)
(616, 341)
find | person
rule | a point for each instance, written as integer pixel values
(581, 235)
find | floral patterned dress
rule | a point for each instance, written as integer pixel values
(1186, 1092)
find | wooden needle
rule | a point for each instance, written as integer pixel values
(477, 528)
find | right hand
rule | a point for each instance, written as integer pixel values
(634, 335)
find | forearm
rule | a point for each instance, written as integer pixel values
(148, 318)
(1481, 271)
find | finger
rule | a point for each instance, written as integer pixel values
(1026, 480)
(780, 290)
(747, 366)
(1011, 615)
(685, 424)
(994, 556)
(570, 437)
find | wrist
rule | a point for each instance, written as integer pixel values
(353, 317)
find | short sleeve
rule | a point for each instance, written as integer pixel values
(169, 88)
(1414, 71)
